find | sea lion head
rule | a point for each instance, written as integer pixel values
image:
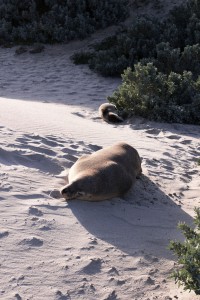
(73, 191)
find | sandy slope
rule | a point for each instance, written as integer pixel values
(79, 250)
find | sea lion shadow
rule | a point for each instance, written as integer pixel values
(145, 220)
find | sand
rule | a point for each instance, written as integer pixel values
(106, 250)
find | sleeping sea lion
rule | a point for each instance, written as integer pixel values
(104, 174)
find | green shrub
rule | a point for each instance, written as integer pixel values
(126, 47)
(170, 59)
(188, 252)
(172, 44)
(165, 57)
(57, 21)
(157, 96)
(186, 19)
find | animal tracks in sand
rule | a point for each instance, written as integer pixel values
(35, 211)
(60, 296)
(178, 163)
(88, 250)
(29, 154)
(50, 155)
(3, 233)
(31, 242)
(41, 224)
(93, 267)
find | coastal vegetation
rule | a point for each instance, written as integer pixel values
(151, 94)
(49, 21)
(188, 253)
(160, 65)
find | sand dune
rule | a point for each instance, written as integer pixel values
(110, 250)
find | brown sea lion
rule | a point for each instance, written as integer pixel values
(104, 174)
(109, 113)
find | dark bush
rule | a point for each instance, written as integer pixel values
(171, 44)
(165, 57)
(51, 21)
(157, 96)
(126, 47)
(82, 57)
(170, 59)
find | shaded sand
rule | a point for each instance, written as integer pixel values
(110, 250)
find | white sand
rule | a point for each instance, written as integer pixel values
(110, 250)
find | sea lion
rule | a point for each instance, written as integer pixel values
(109, 113)
(104, 174)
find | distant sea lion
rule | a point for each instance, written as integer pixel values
(109, 113)
(104, 174)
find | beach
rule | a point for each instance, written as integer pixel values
(109, 250)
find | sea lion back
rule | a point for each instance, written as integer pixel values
(104, 174)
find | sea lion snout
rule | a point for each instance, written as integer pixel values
(67, 192)
(70, 193)
(64, 191)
